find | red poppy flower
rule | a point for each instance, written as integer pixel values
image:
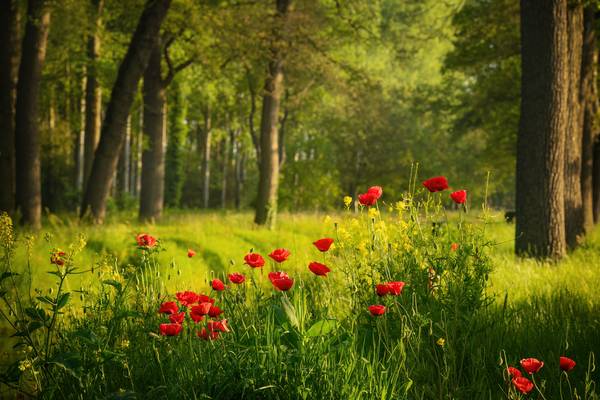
(197, 313)
(281, 280)
(280, 255)
(459, 197)
(436, 184)
(522, 384)
(531, 365)
(214, 312)
(145, 240)
(169, 307)
(382, 289)
(217, 285)
(177, 318)
(58, 258)
(187, 298)
(318, 268)
(567, 364)
(220, 326)
(202, 298)
(367, 199)
(237, 278)
(323, 244)
(254, 260)
(513, 372)
(375, 191)
(454, 247)
(395, 288)
(191, 253)
(377, 310)
(208, 335)
(170, 329)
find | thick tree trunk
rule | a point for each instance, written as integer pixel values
(540, 229)
(27, 145)
(9, 69)
(93, 92)
(206, 159)
(113, 128)
(153, 157)
(268, 183)
(589, 91)
(574, 228)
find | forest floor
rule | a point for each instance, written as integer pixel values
(221, 239)
(536, 309)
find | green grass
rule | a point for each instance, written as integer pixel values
(541, 310)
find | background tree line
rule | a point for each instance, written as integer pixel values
(288, 104)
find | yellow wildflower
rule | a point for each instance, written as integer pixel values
(441, 342)
(347, 201)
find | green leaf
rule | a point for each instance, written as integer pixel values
(290, 312)
(46, 299)
(37, 314)
(7, 275)
(113, 283)
(322, 327)
(34, 325)
(55, 273)
(63, 300)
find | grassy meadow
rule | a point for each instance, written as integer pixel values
(449, 340)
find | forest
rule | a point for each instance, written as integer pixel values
(383, 199)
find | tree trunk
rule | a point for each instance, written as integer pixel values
(540, 229)
(113, 128)
(9, 68)
(596, 180)
(206, 159)
(268, 183)
(27, 145)
(153, 157)
(80, 143)
(574, 228)
(93, 92)
(240, 160)
(589, 92)
(124, 172)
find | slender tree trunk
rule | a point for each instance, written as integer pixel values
(596, 180)
(206, 159)
(93, 91)
(268, 183)
(9, 69)
(540, 229)
(80, 143)
(113, 128)
(240, 160)
(124, 172)
(589, 91)
(153, 157)
(574, 228)
(27, 145)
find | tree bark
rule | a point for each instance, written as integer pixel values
(153, 157)
(268, 183)
(589, 91)
(574, 227)
(596, 180)
(9, 69)
(27, 144)
(206, 158)
(113, 128)
(540, 230)
(93, 91)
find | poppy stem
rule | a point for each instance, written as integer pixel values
(537, 387)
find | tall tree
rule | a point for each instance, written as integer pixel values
(9, 68)
(596, 180)
(266, 203)
(155, 130)
(204, 146)
(27, 145)
(540, 229)
(589, 95)
(113, 128)
(93, 90)
(574, 227)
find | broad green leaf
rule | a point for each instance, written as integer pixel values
(322, 327)
(63, 300)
